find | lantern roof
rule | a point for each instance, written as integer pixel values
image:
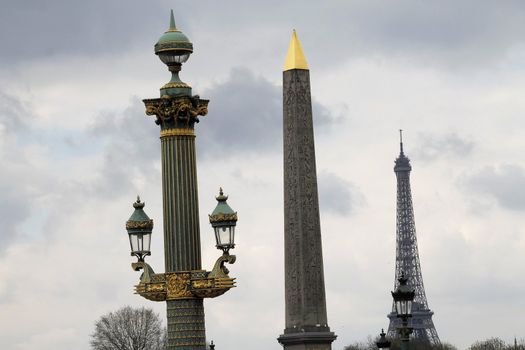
(403, 291)
(383, 342)
(173, 39)
(139, 219)
(222, 212)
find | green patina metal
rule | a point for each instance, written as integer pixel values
(173, 39)
(139, 216)
(222, 207)
(176, 113)
(174, 48)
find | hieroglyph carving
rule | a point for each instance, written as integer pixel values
(305, 296)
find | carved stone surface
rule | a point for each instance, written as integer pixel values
(407, 260)
(304, 282)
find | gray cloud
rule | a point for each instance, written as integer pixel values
(337, 195)
(13, 113)
(245, 114)
(33, 29)
(504, 184)
(16, 174)
(131, 147)
(15, 208)
(454, 33)
(433, 146)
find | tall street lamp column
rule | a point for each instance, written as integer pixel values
(184, 284)
(403, 298)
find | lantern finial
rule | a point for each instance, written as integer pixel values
(221, 197)
(138, 204)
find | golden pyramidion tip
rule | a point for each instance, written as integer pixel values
(295, 57)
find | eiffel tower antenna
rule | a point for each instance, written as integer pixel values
(401, 141)
(407, 257)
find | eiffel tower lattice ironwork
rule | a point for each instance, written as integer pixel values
(407, 258)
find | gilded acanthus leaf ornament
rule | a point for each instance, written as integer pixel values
(176, 112)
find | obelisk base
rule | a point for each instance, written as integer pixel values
(307, 340)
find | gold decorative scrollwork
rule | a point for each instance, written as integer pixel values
(223, 217)
(176, 111)
(174, 85)
(185, 284)
(177, 285)
(201, 284)
(177, 132)
(139, 224)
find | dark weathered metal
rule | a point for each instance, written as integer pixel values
(306, 320)
(383, 343)
(176, 113)
(184, 284)
(407, 259)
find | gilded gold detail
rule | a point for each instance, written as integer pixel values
(139, 224)
(157, 287)
(167, 43)
(185, 284)
(177, 286)
(198, 284)
(174, 85)
(223, 217)
(177, 132)
(181, 110)
(295, 58)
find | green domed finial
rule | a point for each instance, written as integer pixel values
(173, 27)
(174, 48)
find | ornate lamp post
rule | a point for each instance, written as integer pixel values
(383, 343)
(184, 284)
(403, 297)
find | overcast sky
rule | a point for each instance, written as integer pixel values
(76, 148)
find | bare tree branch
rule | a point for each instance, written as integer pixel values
(129, 329)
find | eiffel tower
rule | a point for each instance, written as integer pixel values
(407, 258)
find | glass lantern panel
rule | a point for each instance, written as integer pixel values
(140, 243)
(217, 235)
(172, 57)
(404, 310)
(401, 307)
(146, 242)
(232, 235)
(224, 235)
(182, 58)
(133, 240)
(409, 307)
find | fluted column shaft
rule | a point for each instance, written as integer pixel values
(182, 249)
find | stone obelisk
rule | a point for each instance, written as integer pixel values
(306, 321)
